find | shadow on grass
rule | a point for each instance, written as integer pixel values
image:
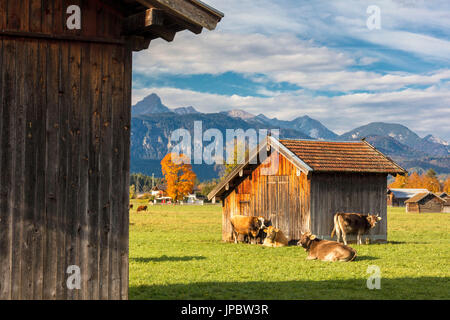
(396, 288)
(166, 258)
(365, 258)
(409, 242)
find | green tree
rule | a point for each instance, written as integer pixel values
(207, 186)
(431, 174)
(239, 150)
(132, 191)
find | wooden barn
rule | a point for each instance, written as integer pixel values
(65, 79)
(397, 197)
(312, 181)
(425, 203)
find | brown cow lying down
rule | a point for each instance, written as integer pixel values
(275, 238)
(248, 226)
(326, 250)
(142, 208)
(353, 223)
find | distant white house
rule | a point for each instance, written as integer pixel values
(192, 199)
(396, 197)
(163, 200)
(159, 191)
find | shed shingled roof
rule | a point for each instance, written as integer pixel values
(342, 156)
(405, 193)
(418, 197)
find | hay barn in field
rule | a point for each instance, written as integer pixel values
(65, 79)
(425, 203)
(397, 197)
(313, 181)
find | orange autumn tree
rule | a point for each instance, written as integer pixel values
(400, 181)
(446, 187)
(414, 181)
(430, 181)
(179, 176)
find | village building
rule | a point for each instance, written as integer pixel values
(446, 197)
(426, 202)
(397, 197)
(159, 191)
(313, 180)
(446, 206)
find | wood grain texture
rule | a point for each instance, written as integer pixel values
(64, 158)
(65, 143)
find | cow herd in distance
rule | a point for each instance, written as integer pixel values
(260, 230)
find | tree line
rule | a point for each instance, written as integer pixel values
(144, 183)
(426, 180)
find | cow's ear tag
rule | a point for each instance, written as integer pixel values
(378, 218)
(312, 237)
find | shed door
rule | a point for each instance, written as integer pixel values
(278, 198)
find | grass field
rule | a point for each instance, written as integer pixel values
(177, 253)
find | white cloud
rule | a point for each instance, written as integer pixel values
(282, 58)
(216, 53)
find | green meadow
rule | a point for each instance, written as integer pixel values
(176, 252)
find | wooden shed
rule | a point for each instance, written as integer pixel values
(396, 197)
(65, 82)
(446, 206)
(425, 203)
(312, 181)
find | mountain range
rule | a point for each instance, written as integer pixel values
(153, 122)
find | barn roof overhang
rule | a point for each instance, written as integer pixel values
(420, 196)
(146, 20)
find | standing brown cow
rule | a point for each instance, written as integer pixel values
(142, 208)
(326, 250)
(249, 227)
(353, 223)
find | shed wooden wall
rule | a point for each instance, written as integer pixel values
(64, 154)
(99, 21)
(347, 192)
(429, 204)
(395, 202)
(446, 208)
(282, 197)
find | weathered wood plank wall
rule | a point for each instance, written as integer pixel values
(64, 154)
(429, 204)
(282, 197)
(347, 192)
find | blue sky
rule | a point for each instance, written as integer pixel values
(289, 58)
